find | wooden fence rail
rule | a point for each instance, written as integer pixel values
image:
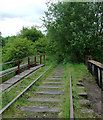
(96, 69)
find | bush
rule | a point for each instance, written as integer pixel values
(40, 46)
(17, 49)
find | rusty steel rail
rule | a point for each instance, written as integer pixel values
(71, 100)
(10, 103)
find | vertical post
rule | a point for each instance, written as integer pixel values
(97, 76)
(101, 78)
(35, 61)
(28, 63)
(96, 73)
(91, 57)
(18, 67)
(91, 68)
(94, 70)
(88, 65)
(40, 59)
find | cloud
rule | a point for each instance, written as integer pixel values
(13, 26)
(14, 14)
(4, 16)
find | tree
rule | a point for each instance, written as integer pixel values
(30, 33)
(5, 40)
(41, 46)
(17, 49)
(72, 28)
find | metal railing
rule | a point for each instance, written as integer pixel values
(20, 67)
(96, 69)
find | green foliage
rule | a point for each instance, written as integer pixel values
(75, 30)
(41, 45)
(17, 49)
(30, 33)
(5, 40)
(22, 45)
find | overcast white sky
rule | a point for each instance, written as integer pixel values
(14, 14)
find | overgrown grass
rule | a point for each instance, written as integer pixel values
(65, 107)
(77, 71)
(13, 110)
(8, 96)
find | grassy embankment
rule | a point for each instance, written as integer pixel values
(77, 72)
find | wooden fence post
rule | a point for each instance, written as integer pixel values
(35, 61)
(28, 63)
(101, 79)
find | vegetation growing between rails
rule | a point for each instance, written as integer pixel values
(66, 104)
(8, 96)
(77, 72)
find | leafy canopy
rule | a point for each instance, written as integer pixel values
(30, 33)
(75, 30)
(17, 49)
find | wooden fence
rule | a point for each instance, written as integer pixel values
(96, 69)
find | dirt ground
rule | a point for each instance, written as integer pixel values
(94, 93)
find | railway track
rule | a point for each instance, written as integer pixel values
(17, 97)
(81, 98)
(7, 85)
(46, 101)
